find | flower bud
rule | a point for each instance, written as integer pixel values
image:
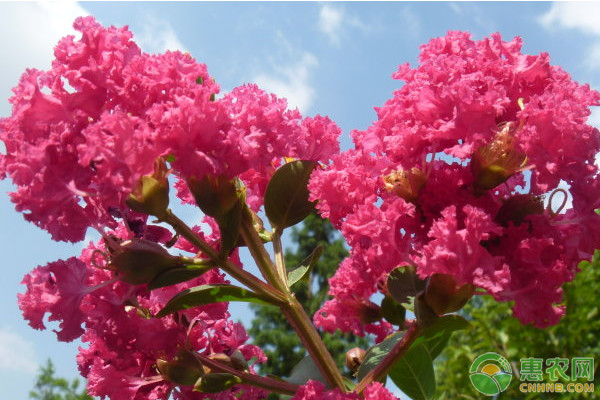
(236, 360)
(405, 184)
(516, 208)
(354, 358)
(369, 312)
(217, 382)
(494, 163)
(215, 195)
(151, 195)
(443, 296)
(139, 261)
(183, 369)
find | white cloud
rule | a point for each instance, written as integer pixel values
(291, 81)
(16, 354)
(573, 15)
(29, 32)
(157, 36)
(330, 22)
(580, 16)
(411, 21)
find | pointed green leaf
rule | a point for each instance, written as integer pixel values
(414, 374)
(304, 371)
(208, 294)
(438, 333)
(286, 198)
(377, 353)
(403, 283)
(177, 275)
(445, 325)
(298, 273)
(393, 312)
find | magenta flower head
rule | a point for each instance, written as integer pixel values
(84, 134)
(463, 174)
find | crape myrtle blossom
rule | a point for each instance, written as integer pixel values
(314, 390)
(83, 133)
(453, 176)
(80, 138)
(123, 341)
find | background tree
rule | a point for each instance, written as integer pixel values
(49, 387)
(270, 330)
(494, 329)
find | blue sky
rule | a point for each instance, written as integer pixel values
(327, 58)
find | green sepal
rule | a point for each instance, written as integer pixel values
(183, 369)
(151, 194)
(216, 382)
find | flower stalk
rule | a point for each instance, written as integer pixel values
(292, 309)
(271, 384)
(242, 276)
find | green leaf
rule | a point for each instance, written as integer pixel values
(286, 198)
(445, 325)
(298, 273)
(177, 275)
(414, 374)
(377, 353)
(350, 385)
(304, 371)
(393, 312)
(438, 333)
(208, 294)
(403, 283)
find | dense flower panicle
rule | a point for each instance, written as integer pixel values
(115, 320)
(469, 146)
(83, 133)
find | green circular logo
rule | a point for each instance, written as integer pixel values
(490, 374)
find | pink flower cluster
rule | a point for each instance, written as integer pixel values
(82, 134)
(314, 390)
(124, 341)
(459, 176)
(79, 139)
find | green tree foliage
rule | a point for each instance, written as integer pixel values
(271, 331)
(494, 329)
(49, 387)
